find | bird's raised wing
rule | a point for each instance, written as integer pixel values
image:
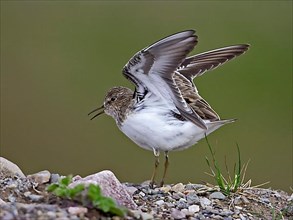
(196, 66)
(200, 63)
(152, 70)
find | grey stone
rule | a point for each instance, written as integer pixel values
(135, 213)
(40, 177)
(9, 169)
(181, 205)
(54, 178)
(217, 195)
(245, 200)
(169, 204)
(192, 198)
(33, 197)
(142, 194)
(178, 195)
(177, 214)
(179, 187)
(51, 214)
(146, 216)
(204, 202)
(191, 186)
(110, 186)
(226, 212)
(186, 212)
(182, 200)
(242, 217)
(265, 200)
(11, 198)
(159, 202)
(165, 189)
(77, 210)
(193, 209)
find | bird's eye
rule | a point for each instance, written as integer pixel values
(113, 99)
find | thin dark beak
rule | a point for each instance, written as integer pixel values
(95, 110)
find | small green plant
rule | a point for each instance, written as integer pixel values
(231, 184)
(61, 188)
(104, 203)
(91, 193)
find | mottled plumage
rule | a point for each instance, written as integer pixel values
(166, 112)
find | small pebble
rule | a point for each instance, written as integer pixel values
(12, 186)
(135, 214)
(77, 210)
(27, 193)
(265, 200)
(193, 209)
(182, 200)
(177, 214)
(185, 211)
(191, 186)
(169, 204)
(181, 205)
(146, 216)
(178, 195)
(226, 212)
(51, 214)
(192, 198)
(244, 199)
(142, 194)
(35, 198)
(54, 178)
(11, 198)
(204, 202)
(40, 177)
(238, 207)
(242, 217)
(179, 187)
(75, 178)
(217, 195)
(165, 189)
(159, 202)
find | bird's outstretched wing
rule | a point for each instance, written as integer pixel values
(197, 65)
(200, 63)
(152, 70)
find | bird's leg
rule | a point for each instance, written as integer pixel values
(157, 162)
(166, 167)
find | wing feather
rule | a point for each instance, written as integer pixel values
(200, 63)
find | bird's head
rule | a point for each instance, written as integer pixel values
(115, 103)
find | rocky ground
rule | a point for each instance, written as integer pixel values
(26, 197)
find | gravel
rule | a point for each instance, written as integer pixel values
(22, 198)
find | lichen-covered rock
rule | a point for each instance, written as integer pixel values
(111, 187)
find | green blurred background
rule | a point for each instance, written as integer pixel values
(59, 58)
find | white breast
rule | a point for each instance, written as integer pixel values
(157, 129)
(154, 127)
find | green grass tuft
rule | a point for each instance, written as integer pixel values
(231, 184)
